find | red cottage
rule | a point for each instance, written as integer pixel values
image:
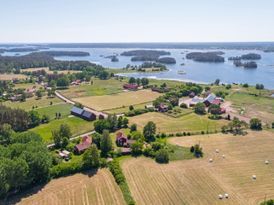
(130, 86)
(85, 144)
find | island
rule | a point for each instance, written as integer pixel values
(23, 49)
(249, 56)
(113, 58)
(166, 60)
(145, 55)
(65, 53)
(211, 57)
(251, 64)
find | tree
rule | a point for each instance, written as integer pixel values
(200, 108)
(106, 143)
(236, 126)
(39, 94)
(91, 157)
(96, 139)
(217, 82)
(132, 80)
(6, 133)
(133, 128)
(197, 150)
(131, 108)
(255, 124)
(136, 148)
(144, 81)
(149, 131)
(125, 122)
(272, 125)
(162, 156)
(259, 86)
(214, 109)
(34, 118)
(61, 136)
(62, 82)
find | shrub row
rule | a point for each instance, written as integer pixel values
(138, 112)
(117, 172)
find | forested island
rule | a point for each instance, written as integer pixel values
(21, 50)
(251, 64)
(249, 56)
(211, 57)
(42, 59)
(145, 55)
(166, 60)
(65, 53)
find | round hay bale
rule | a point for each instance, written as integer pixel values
(210, 160)
(266, 162)
(226, 195)
(254, 177)
(223, 156)
(217, 151)
(220, 196)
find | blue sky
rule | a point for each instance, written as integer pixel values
(136, 20)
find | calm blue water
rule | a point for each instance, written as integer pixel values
(195, 72)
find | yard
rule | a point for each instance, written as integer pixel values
(120, 100)
(90, 188)
(77, 125)
(62, 108)
(186, 123)
(199, 182)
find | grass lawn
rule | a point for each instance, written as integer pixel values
(187, 123)
(50, 111)
(77, 126)
(178, 112)
(119, 100)
(99, 87)
(30, 102)
(26, 85)
(126, 108)
(179, 153)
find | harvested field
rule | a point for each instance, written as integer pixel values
(12, 76)
(85, 189)
(107, 102)
(187, 123)
(199, 182)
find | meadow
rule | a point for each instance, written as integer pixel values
(48, 71)
(50, 111)
(186, 123)
(77, 125)
(90, 188)
(107, 102)
(44, 102)
(198, 181)
(98, 88)
(12, 76)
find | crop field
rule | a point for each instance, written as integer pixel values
(88, 189)
(77, 126)
(99, 87)
(47, 70)
(119, 100)
(199, 182)
(186, 123)
(254, 106)
(30, 102)
(12, 76)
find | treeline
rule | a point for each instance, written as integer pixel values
(212, 57)
(19, 120)
(145, 55)
(249, 56)
(39, 59)
(24, 162)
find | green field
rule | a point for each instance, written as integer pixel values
(186, 123)
(77, 126)
(126, 108)
(30, 102)
(99, 87)
(50, 111)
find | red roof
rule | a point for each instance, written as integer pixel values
(130, 86)
(85, 144)
(216, 102)
(120, 135)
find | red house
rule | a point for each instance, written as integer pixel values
(129, 86)
(121, 139)
(162, 108)
(85, 144)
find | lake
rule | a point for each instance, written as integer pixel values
(195, 71)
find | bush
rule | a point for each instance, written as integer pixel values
(133, 127)
(255, 124)
(245, 85)
(269, 202)
(183, 105)
(65, 169)
(200, 108)
(215, 117)
(272, 125)
(162, 156)
(148, 152)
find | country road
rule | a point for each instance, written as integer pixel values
(62, 97)
(82, 135)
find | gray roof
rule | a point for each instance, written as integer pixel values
(210, 98)
(87, 114)
(77, 110)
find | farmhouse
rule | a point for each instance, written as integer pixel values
(85, 144)
(162, 108)
(123, 141)
(129, 86)
(209, 99)
(195, 100)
